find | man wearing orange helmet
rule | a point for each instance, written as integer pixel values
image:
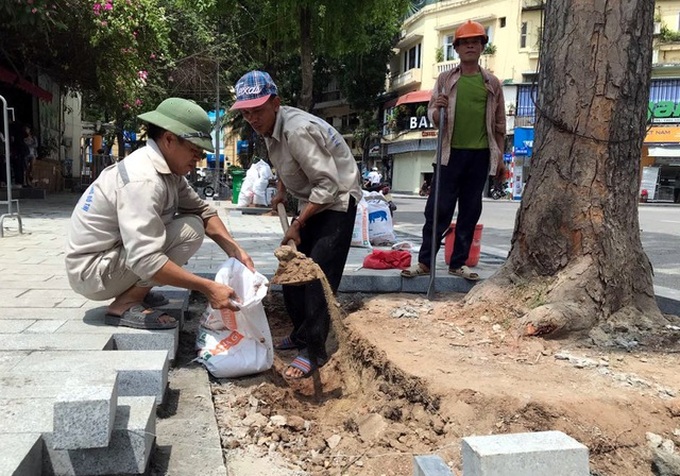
(473, 137)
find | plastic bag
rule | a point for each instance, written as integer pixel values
(260, 183)
(389, 259)
(237, 343)
(360, 236)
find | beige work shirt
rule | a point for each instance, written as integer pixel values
(313, 160)
(128, 207)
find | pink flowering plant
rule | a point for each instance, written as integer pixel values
(130, 36)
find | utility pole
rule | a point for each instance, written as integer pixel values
(216, 179)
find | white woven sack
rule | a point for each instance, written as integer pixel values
(237, 343)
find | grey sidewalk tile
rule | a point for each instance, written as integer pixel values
(142, 373)
(31, 386)
(44, 314)
(126, 338)
(14, 326)
(10, 359)
(55, 342)
(22, 415)
(73, 303)
(46, 326)
(21, 454)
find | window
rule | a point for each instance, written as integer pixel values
(489, 33)
(502, 22)
(412, 58)
(449, 53)
(523, 35)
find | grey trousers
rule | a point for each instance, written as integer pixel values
(183, 237)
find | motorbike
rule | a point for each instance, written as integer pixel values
(499, 190)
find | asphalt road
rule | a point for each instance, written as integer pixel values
(659, 224)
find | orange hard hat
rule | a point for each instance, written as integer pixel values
(470, 29)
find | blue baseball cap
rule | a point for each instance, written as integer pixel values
(253, 89)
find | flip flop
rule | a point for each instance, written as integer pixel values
(139, 317)
(304, 365)
(465, 272)
(155, 299)
(417, 269)
(286, 344)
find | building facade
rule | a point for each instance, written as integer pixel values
(425, 49)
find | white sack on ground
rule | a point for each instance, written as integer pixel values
(237, 343)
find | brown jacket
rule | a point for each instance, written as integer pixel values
(495, 113)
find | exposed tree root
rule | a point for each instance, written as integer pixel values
(574, 303)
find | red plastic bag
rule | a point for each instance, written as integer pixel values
(391, 259)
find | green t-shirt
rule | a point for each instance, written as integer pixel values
(469, 129)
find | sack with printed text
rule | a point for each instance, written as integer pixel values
(360, 236)
(380, 225)
(236, 343)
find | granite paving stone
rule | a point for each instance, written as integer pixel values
(21, 454)
(128, 452)
(84, 412)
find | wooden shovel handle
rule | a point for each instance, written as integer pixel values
(283, 218)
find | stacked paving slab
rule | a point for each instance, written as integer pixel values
(82, 400)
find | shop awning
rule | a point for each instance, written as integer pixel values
(415, 96)
(10, 77)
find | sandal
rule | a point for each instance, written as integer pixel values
(304, 365)
(417, 269)
(465, 272)
(285, 344)
(154, 299)
(139, 317)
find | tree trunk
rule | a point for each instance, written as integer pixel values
(576, 262)
(306, 58)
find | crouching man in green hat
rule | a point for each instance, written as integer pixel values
(140, 221)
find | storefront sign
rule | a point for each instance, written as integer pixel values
(420, 123)
(667, 135)
(664, 112)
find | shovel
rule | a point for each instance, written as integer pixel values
(436, 239)
(294, 267)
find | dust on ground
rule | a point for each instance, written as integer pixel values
(416, 376)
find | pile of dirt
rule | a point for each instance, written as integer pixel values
(416, 376)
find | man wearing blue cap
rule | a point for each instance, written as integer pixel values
(140, 222)
(315, 165)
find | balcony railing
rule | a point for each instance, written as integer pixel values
(408, 78)
(487, 61)
(533, 4)
(444, 66)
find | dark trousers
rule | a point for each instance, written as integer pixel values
(461, 181)
(326, 239)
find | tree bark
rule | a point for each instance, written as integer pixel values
(306, 65)
(576, 252)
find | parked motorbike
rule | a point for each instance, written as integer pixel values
(499, 190)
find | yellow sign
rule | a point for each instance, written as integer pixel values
(663, 135)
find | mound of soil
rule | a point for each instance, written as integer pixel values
(416, 376)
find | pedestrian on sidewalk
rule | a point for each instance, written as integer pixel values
(140, 222)
(315, 165)
(473, 142)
